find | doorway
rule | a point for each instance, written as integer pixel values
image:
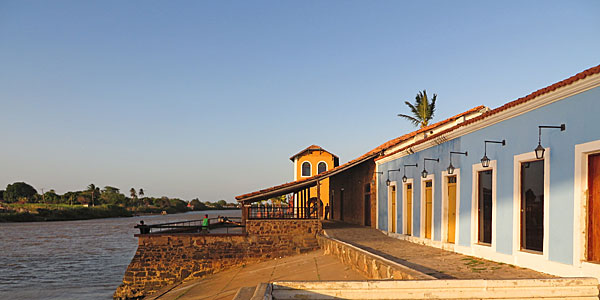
(428, 207)
(367, 204)
(342, 204)
(393, 207)
(409, 201)
(593, 209)
(451, 218)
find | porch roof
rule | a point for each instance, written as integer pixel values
(298, 185)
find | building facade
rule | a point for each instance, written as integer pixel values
(500, 201)
(312, 161)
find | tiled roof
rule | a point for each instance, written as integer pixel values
(373, 153)
(312, 148)
(540, 92)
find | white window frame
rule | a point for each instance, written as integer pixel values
(445, 176)
(405, 206)
(525, 255)
(326, 166)
(389, 189)
(482, 249)
(580, 211)
(311, 168)
(422, 213)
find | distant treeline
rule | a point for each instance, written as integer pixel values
(109, 201)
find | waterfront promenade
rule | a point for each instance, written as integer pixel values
(224, 285)
(316, 266)
(438, 263)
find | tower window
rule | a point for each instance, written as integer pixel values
(306, 169)
(322, 167)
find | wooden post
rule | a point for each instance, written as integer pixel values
(318, 200)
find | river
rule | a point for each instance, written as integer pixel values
(73, 259)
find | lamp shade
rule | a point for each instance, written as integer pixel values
(485, 161)
(539, 151)
(450, 169)
(387, 182)
(424, 173)
(404, 179)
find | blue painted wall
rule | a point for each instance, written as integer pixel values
(578, 112)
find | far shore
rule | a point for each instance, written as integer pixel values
(75, 213)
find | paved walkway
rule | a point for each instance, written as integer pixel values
(433, 261)
(224, 285)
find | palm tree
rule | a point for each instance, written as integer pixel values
(132, 192)
(422, 110)
(141, 193)
(93, 190)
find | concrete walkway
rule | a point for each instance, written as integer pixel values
(224, 285)
(429, 260)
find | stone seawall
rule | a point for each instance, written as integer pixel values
(165, 259)
(370, 265)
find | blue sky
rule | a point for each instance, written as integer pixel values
(209, 99)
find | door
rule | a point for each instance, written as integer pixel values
(532, 206)
(409, 199)
(367, 206)
(593, 248)
(393, 191)
(342, 205)
(484, 207)
(451, 209)
(428, 208)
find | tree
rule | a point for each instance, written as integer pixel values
(141, 193)
(1, 195)
(197, 205)
(111, 195)
(422, 110)
(18, 190)
(94, 192)
(132, 193)
(221, 203)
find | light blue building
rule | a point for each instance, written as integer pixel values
(501, 200)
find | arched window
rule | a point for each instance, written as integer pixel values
(321, 167)
(306, 169)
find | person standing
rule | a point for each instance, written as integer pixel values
(205, 223)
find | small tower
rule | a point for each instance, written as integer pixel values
(312, 161)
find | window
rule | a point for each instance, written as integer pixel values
(306, 169)
(484, 207)
(532, 205)
(321, 167)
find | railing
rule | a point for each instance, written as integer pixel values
(282, 212)
(223, 225)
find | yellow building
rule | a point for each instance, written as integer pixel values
(312, 161)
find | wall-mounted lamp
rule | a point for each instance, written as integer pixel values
(451, 167)
(404, 178)
(539, 150)
(485, 161)
(387, 182)
(424, 173)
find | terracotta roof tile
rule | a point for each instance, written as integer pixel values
(540, 92)
(373, 153)
(314, 148)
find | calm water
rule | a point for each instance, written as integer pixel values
(72, 259)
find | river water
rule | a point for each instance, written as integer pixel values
(73, 259)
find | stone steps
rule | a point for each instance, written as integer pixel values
(515, 289)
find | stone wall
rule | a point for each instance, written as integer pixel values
(165, 259)
(370, 265)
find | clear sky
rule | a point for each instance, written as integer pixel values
(209, 99)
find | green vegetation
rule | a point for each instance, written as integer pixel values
(30, 212)
(21, 202)
(422, 111)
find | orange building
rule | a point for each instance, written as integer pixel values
(312, 161)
